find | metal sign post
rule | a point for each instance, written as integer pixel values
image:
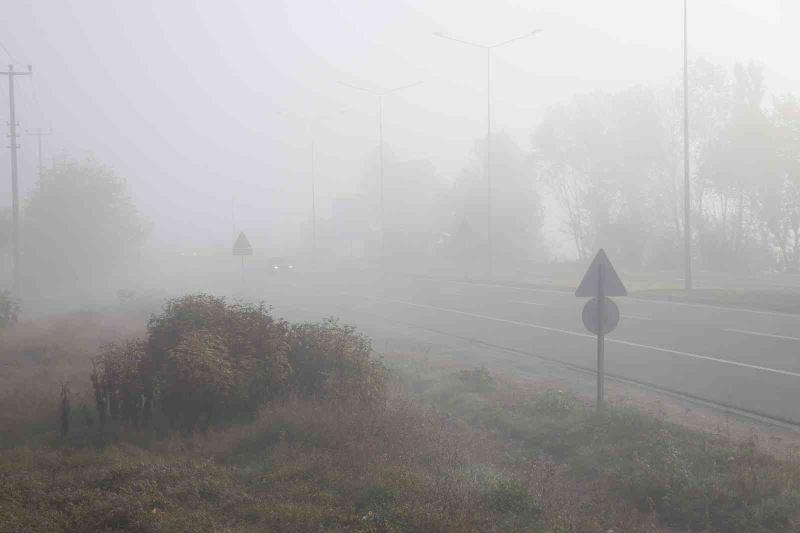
(242, 248)
(601, 345)
(600, 314)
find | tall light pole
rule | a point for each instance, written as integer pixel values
(313, 201)
(315, 121)
(380, 95)
(488, 49)
(687, 211)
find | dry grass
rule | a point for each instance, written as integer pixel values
(445, 450)
(691, 479)
(39, 357)
(305, 465)
(301, 465)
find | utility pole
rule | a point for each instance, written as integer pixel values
(380, 95)
(233, 215)
(687, 211)
(14, 185)
(39, 134)
(313, 202)
(488, 48)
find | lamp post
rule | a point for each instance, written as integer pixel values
(315, 122)
(687, 214)
(380, 95)
(488, 49)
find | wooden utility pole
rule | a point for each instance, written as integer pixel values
(14, 185)
(39, 134)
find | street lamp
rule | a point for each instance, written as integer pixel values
(687, 221)
(380, 95)
(488, 49)
(315, 121)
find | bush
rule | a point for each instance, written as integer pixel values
(117, 382)
(333, 360)
(478, 379)
(205, 360)
(9, 309)
(510, 496)
(196, 377)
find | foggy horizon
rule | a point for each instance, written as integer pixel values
(204, 107)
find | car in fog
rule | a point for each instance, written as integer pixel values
(282, 264)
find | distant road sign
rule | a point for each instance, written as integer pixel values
(612, 285)
(242, 246)
(591, 316)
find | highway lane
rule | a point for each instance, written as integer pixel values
(731, 356)
(757, 340)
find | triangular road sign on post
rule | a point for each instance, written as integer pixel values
(600, 315)
(612, 285)
(242, 246)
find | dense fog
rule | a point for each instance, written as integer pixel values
(216, 118)
(400, 265)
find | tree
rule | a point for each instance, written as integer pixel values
(516, 209)
(80, 225)
(410, 216)
(742, 168)
(779, 205)
(600, 154)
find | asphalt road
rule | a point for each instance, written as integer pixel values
(746, 359)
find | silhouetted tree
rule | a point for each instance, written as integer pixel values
(516, 210)
(80, 224)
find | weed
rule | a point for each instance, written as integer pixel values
(478, 379)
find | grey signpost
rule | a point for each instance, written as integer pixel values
(600, 314)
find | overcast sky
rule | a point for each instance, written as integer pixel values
(205, 104)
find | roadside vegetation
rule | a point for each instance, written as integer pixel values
(217, 416)
(690, 479)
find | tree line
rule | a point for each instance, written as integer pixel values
(609, 166)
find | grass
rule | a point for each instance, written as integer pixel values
(447, 450)
(39, 357)
(305, 466)
(690, 479)
(299, 465)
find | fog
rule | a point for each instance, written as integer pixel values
(203, 104)
(419, 265)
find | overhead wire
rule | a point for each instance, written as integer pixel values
(10, 56)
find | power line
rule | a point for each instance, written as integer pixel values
(36, 103)
(10, 57)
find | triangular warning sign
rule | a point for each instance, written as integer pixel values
(242, 246)
(590, 285)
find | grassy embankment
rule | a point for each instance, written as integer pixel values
(440, 451)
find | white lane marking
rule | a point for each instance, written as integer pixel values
(758, 333)
(616, 341)
(634, 317)
(646, 300)
(529, 303)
